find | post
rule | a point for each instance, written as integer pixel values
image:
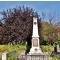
(4, 56)
(58, 49)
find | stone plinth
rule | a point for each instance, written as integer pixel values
(35, 46)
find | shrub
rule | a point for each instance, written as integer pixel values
(46, 48)
(12, 57)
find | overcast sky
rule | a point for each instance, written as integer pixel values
(37, 6)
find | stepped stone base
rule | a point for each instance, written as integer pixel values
(35, 50)
(40, 56)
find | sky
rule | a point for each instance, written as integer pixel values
(38, 6)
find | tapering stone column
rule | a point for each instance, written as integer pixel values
(35, 39)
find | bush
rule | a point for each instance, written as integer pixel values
(47, 48)
(55, 58)
(12, 57)
(10, 48)
(58, 40)
(44, 42)
(3, 48)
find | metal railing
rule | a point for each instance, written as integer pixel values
(27, 57)
(34, 57)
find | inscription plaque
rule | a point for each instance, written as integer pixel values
(35, 42)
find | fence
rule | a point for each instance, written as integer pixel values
(26, 57)
(34, 57)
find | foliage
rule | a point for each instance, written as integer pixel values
(20, 48)
(49, 33)
(58, 40)
(18, 24)
(46, 48)
(12, 57)
(44, 42)
(9, 48)
(18, 27)
(55, 58)
(27, 49)
(50, 50)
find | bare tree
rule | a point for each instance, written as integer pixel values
(43, 15)
(51, 17)
(58, 20)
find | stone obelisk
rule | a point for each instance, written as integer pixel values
(35, 49)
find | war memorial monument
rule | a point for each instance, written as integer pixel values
(35, 51)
